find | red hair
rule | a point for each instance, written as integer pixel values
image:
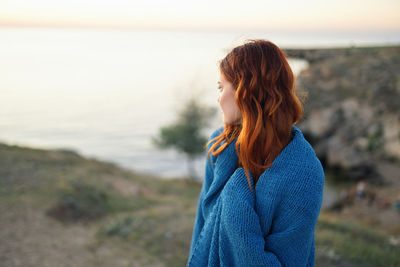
(265, 94)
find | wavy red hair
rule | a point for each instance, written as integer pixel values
(265, 94)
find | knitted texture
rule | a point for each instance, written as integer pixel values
(272, 226)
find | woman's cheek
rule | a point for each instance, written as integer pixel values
(227, 113)
(222, 104)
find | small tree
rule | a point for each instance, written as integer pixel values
(185, 134)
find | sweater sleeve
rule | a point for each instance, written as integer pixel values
(241, 232)
(208, 177)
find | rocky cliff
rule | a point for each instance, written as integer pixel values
(352, 108)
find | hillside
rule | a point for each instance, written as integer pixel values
(60, 209)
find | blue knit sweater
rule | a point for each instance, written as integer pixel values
(273, 226)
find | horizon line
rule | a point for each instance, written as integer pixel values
(190, 28)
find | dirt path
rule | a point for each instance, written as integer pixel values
(33, 239)
(30, 238)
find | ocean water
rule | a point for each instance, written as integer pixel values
(104, 93)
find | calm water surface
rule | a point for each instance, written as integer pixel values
(105, 93)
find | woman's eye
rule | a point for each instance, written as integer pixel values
(219, 88)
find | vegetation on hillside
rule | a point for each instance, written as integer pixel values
(127, 218)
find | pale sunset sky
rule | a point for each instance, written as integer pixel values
(358, 15)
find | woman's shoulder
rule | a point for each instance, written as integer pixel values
(296, 164)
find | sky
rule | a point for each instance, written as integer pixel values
(360, 15)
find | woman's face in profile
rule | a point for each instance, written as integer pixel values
(226, 100)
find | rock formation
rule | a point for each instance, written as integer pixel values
(352, 110)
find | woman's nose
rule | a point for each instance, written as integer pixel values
(218, 99)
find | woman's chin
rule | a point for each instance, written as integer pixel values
(231, 122)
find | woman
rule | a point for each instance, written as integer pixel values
(263, 184)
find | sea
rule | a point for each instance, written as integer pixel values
(105, 93)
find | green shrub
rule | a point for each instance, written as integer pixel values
(80, 201)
